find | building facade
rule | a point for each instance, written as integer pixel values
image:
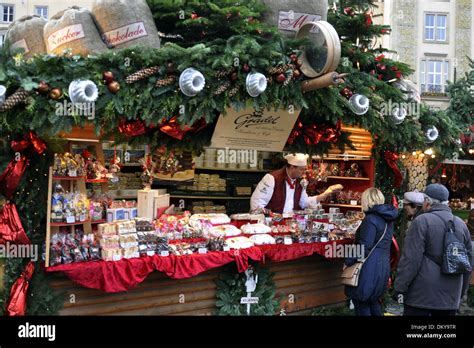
(11, 10)
(435, 37)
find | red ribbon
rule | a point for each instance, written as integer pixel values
(133, 128)
(391, 158)
(17, 301)
(11, 229)
(12, 175)
(394, 200)
(170, 127)
(315, 133)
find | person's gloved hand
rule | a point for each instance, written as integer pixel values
(334, 188)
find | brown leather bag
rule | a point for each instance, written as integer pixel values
(350, 275)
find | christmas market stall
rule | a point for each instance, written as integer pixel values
(133, 139)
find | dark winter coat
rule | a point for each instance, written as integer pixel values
(418, 277)
(374, 276)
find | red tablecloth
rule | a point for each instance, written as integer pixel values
(116, 276)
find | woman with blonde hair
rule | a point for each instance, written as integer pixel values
(375, 236)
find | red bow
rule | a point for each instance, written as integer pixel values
(11, 229)
(391, 158)
(17, 301)
(170, 127)
(315, 133)
(12, 175)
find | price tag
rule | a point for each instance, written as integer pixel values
(164, 253)
(82, 217)
(226, 248)
(287, 241)
(70, 220)
(329, 227)
(202, 250)
(353, 202)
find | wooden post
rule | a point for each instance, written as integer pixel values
(48, 215)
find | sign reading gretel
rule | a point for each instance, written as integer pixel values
(292, 21)
(264, 130)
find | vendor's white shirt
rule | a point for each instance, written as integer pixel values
(264, 192)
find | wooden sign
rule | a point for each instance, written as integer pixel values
(262, 130)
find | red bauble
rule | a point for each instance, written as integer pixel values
(346, 92)
(108, 77)
(194, 16)
(349, 11)
(246, 68)
(294, 58)
(114, 87)
(55, 93)
(381, 66)
(43, 88)
(280, 78)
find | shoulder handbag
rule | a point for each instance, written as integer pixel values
(350, 275)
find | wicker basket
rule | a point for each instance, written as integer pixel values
(279, 13)
(27, 33)
(124, 23)
(73, 28)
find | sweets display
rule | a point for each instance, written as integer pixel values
(69, 207)
(223, 231)
(187, 234)
(215, 219)
(67, 247)
(255, 228)
(68, 164)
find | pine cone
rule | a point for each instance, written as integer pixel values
(142, 74)
(223, 73)
(165, 82)
(280, 69)
(16, 98)
(222, 88)
(233, 91)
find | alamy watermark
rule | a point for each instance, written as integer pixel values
(407, 108)
(334, 250)
(76, 109)
(9, 250)
(237, 156)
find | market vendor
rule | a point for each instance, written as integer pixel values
(281, 191)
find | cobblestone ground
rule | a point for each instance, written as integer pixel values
(396, 309)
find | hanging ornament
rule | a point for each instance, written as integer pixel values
(346, 92)
(83, 92)
(349, 11)
(16, 98)
(108, 77)
(359, 104)
(43, 88)
(431, 134)
(280, 78)
(398, 115)
(246, 68)
(256, 84)
(391, 158)
(18, 293)
(368, 18)
(113, 87)
(191, 82)
(3, 92)
(142, 74)
(11, 230)
(55, 93)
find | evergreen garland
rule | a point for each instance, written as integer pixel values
(231, 288)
